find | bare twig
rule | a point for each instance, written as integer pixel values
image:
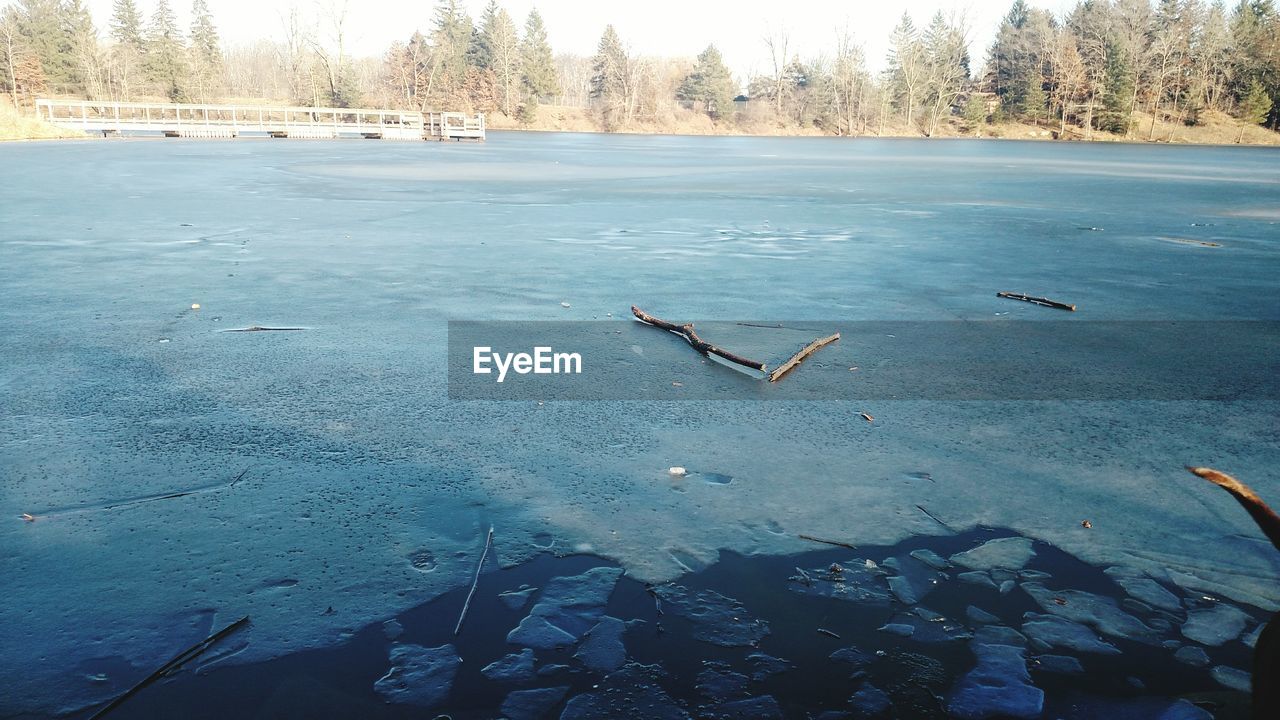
(837, 543)
(934, 518)
(804, 352)
(1046, 302)
(828, 633)
(702, 346)
(173, 665)
(479, 566)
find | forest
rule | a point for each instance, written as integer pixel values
(1093, 69)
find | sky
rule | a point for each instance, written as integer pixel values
(669, 28)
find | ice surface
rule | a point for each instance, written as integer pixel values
(1234, 678)
(1101, 613)
(870, 701)
(1061, 664)
(1003, 553)
(1059, 632)
(532, 704)
(766, 665)
(999, 686)
(719, 684)
(601, 649)
(517, 599)
(716, 619)
(915, 579)
(931, 558)
(1145, 589)
(1215, 624)
(858, 580)
(513, 668)
(978, 615)
(851, 655)
(926, 628)
(764, 707)
(419, 675)
(1192, 655)
(373, 491)
(566, 609)
(977, 577)
(631, 691)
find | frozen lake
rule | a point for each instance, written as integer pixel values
(363, 490)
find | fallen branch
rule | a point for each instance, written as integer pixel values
(479, 566)
(173, 665)
(260, 328)
(828, 633)
(1046, 302)
(1264, 516)
(837, 543)
(702, 346)
(805, 352)
(934, 518)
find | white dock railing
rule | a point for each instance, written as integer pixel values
(198, 120)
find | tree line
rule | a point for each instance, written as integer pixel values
(1093, 68)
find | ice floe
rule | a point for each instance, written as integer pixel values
(716, 619)
(1007, 553)
(1215, 624)
(419, 675)
(1101, 613)
(567, 608)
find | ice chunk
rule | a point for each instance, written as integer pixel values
(630, 692)
(914, 580)
(931, 558)
(870, 701)
(857, 581)
(1061, 664)
(1008, 553)
(602, 648)
(1233, 678)
(1059, 632)
(552, 669)
(719, 684)
(532, 704)
(999, 635)
(513, 668)
(851, 655)
(926, 627)
(1215, 625)
(756, 708)
(1192, 655)
(517, 599)
(978, 615)
(1097, 611)
(566, 609)
(392, 629)
(999, 686)
(1252, 638)
(767, 665)
(1144, 589)
(419, 675)
(716, 619)
(977, 577)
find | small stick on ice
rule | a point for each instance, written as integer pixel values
(1046, 302)
(804, 352)
(1264, 516)
(934, 518)
(837, 543)
(479, 566)
(170, 667)
(828, 633)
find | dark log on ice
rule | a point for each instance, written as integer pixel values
(702, 346)
(1046, 302)
(1266, 655)
(173, 665)
(804, 352)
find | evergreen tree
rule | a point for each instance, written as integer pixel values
(166, 64)
(1117, 92)
(126, 24)
(450, 41)
(710, 84)
(206, 49)
(1255, 106)
(610, 81)
(40, 23)
(480, 50)
(536, 60)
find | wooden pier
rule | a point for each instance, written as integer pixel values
(232, 121)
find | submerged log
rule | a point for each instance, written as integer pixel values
(702, 346)
(804, 352)
(1046, 302)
